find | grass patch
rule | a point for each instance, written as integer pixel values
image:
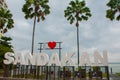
(29, 76)
(104, 75)
(1, 72)
(118, 74)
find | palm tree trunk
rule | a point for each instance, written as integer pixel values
(78, 44)
(77, 25)
(32, 49)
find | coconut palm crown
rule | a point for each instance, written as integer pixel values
(114, 11)
(6, 21)
(77, 11)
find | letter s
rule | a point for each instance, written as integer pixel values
(9, 58)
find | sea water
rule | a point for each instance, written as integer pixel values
(115, 67)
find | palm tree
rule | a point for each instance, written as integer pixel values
(5, 46)
(77, 11)
(114, 11)
(5, 41)
(6, 21)
(37, 9)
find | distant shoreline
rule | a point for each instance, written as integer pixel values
(114, 63)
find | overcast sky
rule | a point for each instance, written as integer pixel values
(98, 33)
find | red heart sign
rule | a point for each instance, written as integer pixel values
(52, 45)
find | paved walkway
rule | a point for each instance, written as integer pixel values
(114, 77)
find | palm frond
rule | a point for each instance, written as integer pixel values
(36, 8)
(114, 11)
(6, 21)
(77, 11)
